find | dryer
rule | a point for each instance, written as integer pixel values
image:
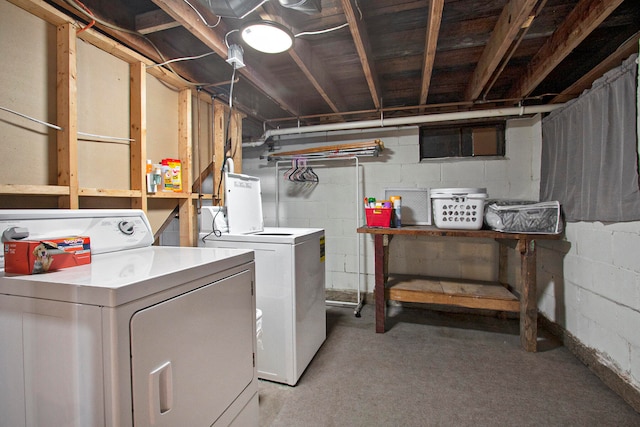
(143, 335)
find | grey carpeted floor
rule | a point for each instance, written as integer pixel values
(439, 369)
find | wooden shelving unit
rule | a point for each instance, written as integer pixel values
(68, 190)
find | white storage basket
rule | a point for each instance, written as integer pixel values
(458, 208)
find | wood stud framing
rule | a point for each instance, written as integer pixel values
(67, 188)
(138, 131)
(67, 114)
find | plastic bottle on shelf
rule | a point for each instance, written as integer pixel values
(157, 176)
(151, 187)
(397, 208)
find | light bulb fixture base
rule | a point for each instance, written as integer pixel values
(267, 36)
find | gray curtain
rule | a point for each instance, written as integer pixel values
(590, 151)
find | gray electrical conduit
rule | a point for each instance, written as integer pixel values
(405, 121)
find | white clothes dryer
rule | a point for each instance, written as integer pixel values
(143, 335)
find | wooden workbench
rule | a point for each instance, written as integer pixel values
(463, 293)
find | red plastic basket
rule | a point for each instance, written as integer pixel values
(378, 217)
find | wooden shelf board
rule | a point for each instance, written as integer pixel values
(458, 292)
(197, 196)
(169, 195)
(106, 192)
(25, 189)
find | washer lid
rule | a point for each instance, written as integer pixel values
(243, 199)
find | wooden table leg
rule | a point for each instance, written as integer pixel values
(528, 298)
(379, 263)
(503, 264)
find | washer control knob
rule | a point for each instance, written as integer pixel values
(126, 227)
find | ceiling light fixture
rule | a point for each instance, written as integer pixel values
(267, 36)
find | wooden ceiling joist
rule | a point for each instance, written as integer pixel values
(363, 47)
(615, 59)
(582, 20)
(315, 71)
(433, 29)
(313, 68)
(513, 17)
(156, 20)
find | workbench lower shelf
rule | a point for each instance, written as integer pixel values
(455, 292)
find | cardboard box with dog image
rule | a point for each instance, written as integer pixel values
(41, 256)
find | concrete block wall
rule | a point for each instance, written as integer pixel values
(335, 205)
(592, 290)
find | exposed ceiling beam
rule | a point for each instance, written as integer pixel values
(363, 47)
(313, 68)
(582, 20)
(514, 15)
(623, 52)
(433, 29)
(214, 39)
(317, 74)
(156, 20)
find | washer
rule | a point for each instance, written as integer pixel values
(142, 335)
(290, 278)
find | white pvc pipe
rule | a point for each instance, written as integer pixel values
(410, 120)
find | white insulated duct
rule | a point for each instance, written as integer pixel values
(405, 121)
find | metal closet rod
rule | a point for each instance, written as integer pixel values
(359, 302)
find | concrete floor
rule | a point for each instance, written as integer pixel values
(439, 369)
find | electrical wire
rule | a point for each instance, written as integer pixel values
(202, 17)
(56, 127)
(185, 58)
(111, 138)
(359, 10)
(93, 21)
(233, 79)
(227, 148)
(226, 37)
(307, 33)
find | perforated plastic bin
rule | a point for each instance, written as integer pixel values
(378, 217)
(458, 208)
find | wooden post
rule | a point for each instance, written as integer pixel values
(503, 263)
(138, 132)
(67, 114)
(219, 125)
(185, 153)
(528, 297)
(235, 134)
(380, 272)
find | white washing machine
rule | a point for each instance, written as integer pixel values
(143, 335)
(290, 279)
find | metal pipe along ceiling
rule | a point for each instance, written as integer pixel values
(405, 121)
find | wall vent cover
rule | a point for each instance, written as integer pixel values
(416, 204)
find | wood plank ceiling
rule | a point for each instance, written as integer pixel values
(393, 58)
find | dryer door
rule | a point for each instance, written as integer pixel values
(193, 355)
